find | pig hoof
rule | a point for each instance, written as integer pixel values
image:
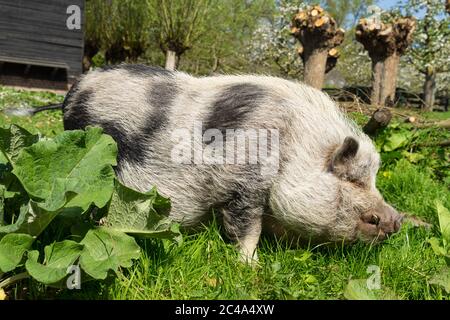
(249, 259)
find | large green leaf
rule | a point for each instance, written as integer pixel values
(142, 214)
(2, 207)
(357, 289)
(20, 220)
(442, 279)
(444, 221)
(396, 140)
(31, 220)
(436, 246)
(413, 157)
(59, 256)
(105, 250)
(13, 140)
(74, 169)
(37, 219)
(12, 248)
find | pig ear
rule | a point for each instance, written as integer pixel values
(344, 153)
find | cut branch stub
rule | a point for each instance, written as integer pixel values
(382, 40)
(333, 55)
(380, 119)
(377, 38)
(174, 45)
(316, 29)
(318, 33)
(404, 28)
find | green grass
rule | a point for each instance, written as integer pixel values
(359, 118)
(47, 123)
(412, 189)
(436, 115)
(205, 265)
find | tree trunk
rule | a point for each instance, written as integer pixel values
(429, 88)
(389, 80)
(385, 43)
(315, 63)
(319, 35)
(377, 75)
(171, 60)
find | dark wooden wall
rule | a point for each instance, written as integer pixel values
(34, 32)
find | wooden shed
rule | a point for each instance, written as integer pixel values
(40, 46)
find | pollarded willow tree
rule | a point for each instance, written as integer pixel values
(116, 28)
(179, 24)
(385, 42)
(225, 47)
(273, 47)
(319, 35)
(430, 52)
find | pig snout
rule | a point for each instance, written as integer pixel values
(380, 223)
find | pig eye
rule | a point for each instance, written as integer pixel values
(374, 219)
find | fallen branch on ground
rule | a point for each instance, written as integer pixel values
(444, 143)
(442, 124)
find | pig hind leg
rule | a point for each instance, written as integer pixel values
(242, 220)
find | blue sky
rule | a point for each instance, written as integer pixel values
(386, 4)
(389, 4)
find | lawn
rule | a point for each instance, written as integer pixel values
(47, 123)
(205, 265)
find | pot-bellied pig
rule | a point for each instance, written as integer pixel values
(261, 152)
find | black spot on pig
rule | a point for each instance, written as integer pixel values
(128, 149)
(134, 148)
(233, 105)
(131, 149)
(160, 97)
(70, 94)
(79, 118)
(244, 206)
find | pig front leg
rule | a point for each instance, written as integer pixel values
(248, 243)
(243, 223)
